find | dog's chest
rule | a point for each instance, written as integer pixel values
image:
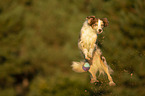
(88, 36)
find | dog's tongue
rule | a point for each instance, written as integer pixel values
(86, 66)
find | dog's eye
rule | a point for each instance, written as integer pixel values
(96, 24)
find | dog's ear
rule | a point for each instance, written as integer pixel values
(90, 19)
(105, 21)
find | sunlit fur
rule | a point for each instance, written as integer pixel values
(87, 43)
(98, 64)
(98, 26)
(88, 37)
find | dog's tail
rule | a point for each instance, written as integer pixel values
(77, 66)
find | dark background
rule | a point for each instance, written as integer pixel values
(38, 42)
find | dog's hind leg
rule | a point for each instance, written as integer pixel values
(93, 76)
(106, 70)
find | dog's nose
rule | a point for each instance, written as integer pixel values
(100, 30)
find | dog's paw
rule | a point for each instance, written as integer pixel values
(93, 81)
(90, 55)
(87, 58)
(112, 83)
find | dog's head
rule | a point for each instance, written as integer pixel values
(97, 24)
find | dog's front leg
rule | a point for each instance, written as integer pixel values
(91, 51)
(93, 76)
(85, 52)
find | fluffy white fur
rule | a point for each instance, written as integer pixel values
(87, 40)
(99, 64)
(87, 44)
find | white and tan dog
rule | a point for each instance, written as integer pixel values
(88, 36)
(87, 43)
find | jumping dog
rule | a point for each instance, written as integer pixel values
(92, 54)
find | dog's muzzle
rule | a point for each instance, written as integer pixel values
(99, 31)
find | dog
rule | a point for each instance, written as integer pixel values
(88, 35)
(92, 53)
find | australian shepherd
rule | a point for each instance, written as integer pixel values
(92, 54)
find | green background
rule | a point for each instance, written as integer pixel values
(38, 42)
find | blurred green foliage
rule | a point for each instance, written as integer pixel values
(38, 42)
